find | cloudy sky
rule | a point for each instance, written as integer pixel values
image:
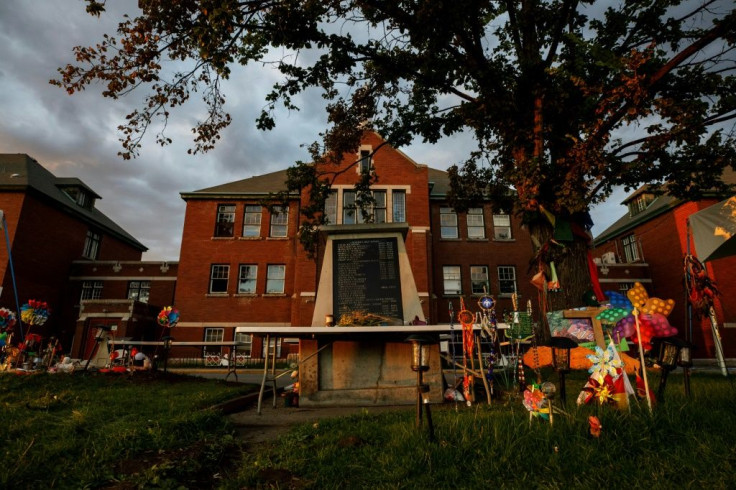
(76, 136)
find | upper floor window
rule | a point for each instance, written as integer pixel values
(219, 275)
(139, 290)
(365, 161)
(640, 203)
(399, 206)
(279, 221)
(275, 279)
(631, 248)
(91, 290)
(247, 279)
(331, 208)
(92, 245)
(479, 279)
(501, 226)
(352, 213)
(224, 226)
(252, 221)
(506, 279)
(448, 223)
(476, 224)
(451, 279)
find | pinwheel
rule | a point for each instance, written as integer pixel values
(35, 312)
(168, 317)
(7, 319)
(605, 363)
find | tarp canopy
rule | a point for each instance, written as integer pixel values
(714, 230)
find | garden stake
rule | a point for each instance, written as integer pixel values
(641, 359)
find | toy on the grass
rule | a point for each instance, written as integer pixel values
(7, 319)
(536, 402)
(35, 312)
(168, 317)
(607, 383)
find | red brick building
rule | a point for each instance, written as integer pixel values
(123, 296)
(241, 265)
(649, 245)
(52, 222)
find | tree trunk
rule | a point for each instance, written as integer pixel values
(571, 264)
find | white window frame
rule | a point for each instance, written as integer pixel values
(135, 292)
(502, 226)
(452, 280)
(476, 223)
(219, 272)
(506, 280)
(225, 221)
(479, 279)
(91, 290)
(275, 274)
(279, 222)
(247, 273)
(273, 342)
(331, 208)
(448, 223)
(213, 334)
(247, 339)
(252, 220)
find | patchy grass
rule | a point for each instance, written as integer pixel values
(683, 444)
(126, 431)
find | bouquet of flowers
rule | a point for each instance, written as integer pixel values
(35, 312)
(168, 317)
(7, 319)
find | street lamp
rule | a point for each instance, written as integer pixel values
(420, 364)
(561, 360)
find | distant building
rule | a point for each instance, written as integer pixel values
(648, 245)
(52, 222)
(242, 265)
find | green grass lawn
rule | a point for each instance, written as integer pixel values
(105, 431)
(90, 431)
(684, 444)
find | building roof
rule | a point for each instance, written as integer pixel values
(20, 172)
(660, 205)
(261, 185)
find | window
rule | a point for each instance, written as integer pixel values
(213, 335)
(640, 203)
(479, 279)
(331, 208)
(365, 161)
(476, 225)
(506, 279)
(451, 279)
(92, 245)
(501, 226)
(279, 221)
(219, 275)
(252, 221)
(91, 290)
(273, 343)
(448, 223)
(352, 214)
(225, 220)
(399, 206)
(379, 207)
(631, 249)
(247, 279)
(139, 290)
(247, 340)
(275, 279)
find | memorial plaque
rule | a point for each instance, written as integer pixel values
(366, 277)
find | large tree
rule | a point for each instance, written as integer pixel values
(566, 99)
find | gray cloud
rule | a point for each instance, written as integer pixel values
(77, 136)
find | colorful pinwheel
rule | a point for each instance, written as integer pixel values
(35, 312)
(168, 317)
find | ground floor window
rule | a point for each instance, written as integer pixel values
(451, 279)
(213, 335)
(273, 343)
(247, 340)
(506, 279)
